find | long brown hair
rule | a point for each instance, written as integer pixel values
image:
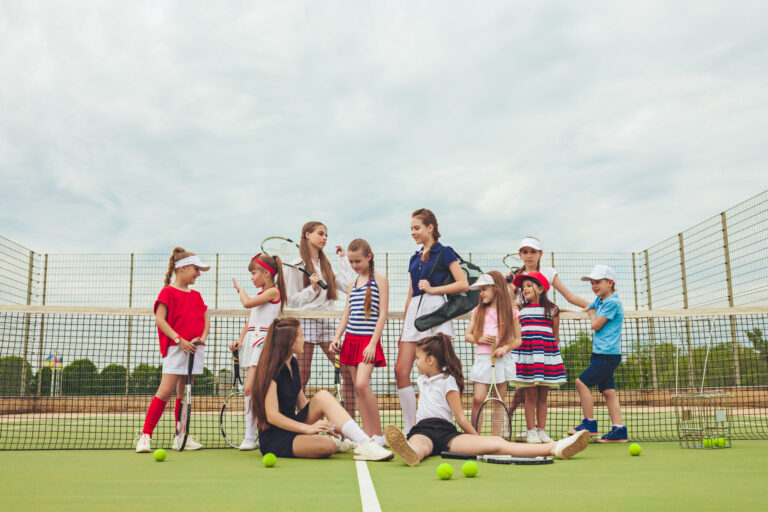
(521, 270)
(440, 347)
(325, 265)
(504, 310)
(427, 218)
(550, 309)
(358, 244)
(277, 349)
(178, 254)
(275, 264)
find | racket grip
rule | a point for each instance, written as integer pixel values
(510, 278)
(322, 285)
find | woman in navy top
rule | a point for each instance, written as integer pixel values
(428, 268)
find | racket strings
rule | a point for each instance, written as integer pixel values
(493, 419)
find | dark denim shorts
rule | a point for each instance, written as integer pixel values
(600, 371)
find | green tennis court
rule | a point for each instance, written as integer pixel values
(604, 477)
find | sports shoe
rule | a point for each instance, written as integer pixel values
(343, 445)
(142, 445)
(381, 440)
(566, 448)
(192, 444)
(615, 435)
(532, 437)
(543, 437)
(246, 445)
(520, 438)
(370, 450)
(400, 445)
(588, 425)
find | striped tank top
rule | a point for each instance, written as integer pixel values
(357, 324)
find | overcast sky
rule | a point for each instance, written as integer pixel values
(605, 126)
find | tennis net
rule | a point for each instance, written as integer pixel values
(82, 378)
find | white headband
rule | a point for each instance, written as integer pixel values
(192, 260)
(532, 243)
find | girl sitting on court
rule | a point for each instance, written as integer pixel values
(539, 365)
(440, 385)
(364, 318)
(496, 331)
(182, 324)
(290, 424)
(267, 274)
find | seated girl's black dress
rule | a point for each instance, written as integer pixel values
(275, 439)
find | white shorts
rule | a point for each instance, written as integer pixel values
(254, 355)
(318, 330)
(249, 355)
(421, 306)
(176, 362)
(481, 369)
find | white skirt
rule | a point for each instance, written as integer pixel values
(318, 330)
(481, 369)
(249, 355)
(254, 355)
(176, 362)
(419, 306)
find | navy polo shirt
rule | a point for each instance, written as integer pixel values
(420, 269)
(288, 388)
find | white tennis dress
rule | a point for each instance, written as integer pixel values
(260, 319)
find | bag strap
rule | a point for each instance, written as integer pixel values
(435, 263)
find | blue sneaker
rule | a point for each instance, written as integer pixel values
(615, 435)
(588, 425)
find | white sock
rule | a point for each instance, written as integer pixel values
(380, 440)
(250, 422)
(408, 405)
(617, 426)
(351, 430)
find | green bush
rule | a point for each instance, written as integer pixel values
(112, 380)
(144, 379)
(80, 378)
(10, 376)
(204, 383)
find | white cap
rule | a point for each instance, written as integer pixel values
(531, 242)
(483, 280)
(192, 260)
(600, 272)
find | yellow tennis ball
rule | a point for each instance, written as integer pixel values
(708, 442)
(634, 449)
(445, 471)
(269, 460)
(720, 442)
(159, 455)
(470, 468)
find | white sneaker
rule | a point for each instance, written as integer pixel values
(543, 437)
(381, 440)
(400, 445)
(192, 444)
(343, 445)
(142, 446)
(532, 437)
(370, 450)
(566, 448)
(520, 438)
(246, 445)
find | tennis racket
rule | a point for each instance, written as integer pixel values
(231, 416)
(182, 427)
(493, 417)
(288, 251)
(500, 459)
(337, 377)
(513, 262)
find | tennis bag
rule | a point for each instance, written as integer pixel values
(456, 304)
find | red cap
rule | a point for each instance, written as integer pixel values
(536, 276)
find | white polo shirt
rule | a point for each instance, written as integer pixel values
(432, 400)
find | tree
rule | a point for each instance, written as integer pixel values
(80, 378)
(112, 380)
(204, 383)
(759, 343)
(11, 368)
(576, 357)
(145, 379)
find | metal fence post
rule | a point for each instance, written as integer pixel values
(27, 322)
(729, 283)
(554, 292)
(685, 306)
(212, 331)
(634, 280)
(130, 329)
(42, 325)
(651, 340)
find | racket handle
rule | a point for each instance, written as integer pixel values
(322, 285)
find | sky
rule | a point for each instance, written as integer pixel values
(596, 126)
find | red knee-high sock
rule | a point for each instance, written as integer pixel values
(177, 414)
(156, 409)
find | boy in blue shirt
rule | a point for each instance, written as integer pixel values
(606, 314)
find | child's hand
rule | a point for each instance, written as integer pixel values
(487, 339)
(425, 286)
(335, 346)
(235, 345)
(500, 352)
(369, 354)
(320, 426)
(340, 251)
(314, 279)
(187, 346)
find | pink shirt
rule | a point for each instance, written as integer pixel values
(491, 326)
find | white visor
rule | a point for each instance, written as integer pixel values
(192, 260)
(531, 242)
(600, 272)
(483, 280)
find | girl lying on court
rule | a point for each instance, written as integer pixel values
(440, 385)
(289, 424)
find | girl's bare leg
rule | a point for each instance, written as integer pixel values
(305, 364)
(541, 406)
(531, 397)
(313, 446)
(347, 382)
(493, 445)
(481, 390)
(369, 407)
(324, 404)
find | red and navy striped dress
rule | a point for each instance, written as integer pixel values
(537, 361)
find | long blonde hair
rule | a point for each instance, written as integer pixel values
(325, 265)
(178, 254)
(358, 244)
(504, 310)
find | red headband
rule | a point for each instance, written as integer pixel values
(269, 269)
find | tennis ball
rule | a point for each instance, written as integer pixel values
(469, 468)
(159, 455)
(269, 460)
(708, 442)
(720, 442)
(445, 471)
(634, 449)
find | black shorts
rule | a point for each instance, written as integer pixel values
(278, 441)
(600, 371)
(439, 431)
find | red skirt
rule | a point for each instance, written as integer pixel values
(353, 347)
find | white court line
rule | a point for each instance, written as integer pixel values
(367, 492)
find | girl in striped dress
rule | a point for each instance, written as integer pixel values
(539, 364)
(364, 317)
